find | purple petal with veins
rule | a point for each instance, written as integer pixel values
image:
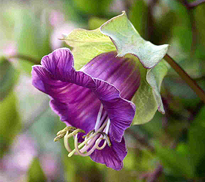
(106, 81)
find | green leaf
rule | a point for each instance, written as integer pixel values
(199, 13)
(163, 28)
(196, 145)
(32, 36)
(178, 164)
(127, 40)
(138, 16)
(92, 6)
(35, 172)
(7, 77)
(95, 22)
(87, 170)
(185, 40)
(87, 45)
(10, 123)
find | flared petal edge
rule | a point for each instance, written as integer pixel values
(120, 111)
(112, 156)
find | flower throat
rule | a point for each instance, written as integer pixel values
(95, 139)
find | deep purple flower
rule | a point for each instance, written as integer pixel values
(93, 102)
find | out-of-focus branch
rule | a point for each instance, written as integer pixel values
(194, 4)
(194, 32)
(140, 139)
(36, 115)
(189, 7)
(153, 177)
(199, 78)
(24, 57)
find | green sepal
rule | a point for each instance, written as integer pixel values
(128, 41)
(88, 44)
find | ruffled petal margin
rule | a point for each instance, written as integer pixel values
(70, 90)
(111, 156)
(120, 111)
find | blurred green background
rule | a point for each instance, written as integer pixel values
(170, 147)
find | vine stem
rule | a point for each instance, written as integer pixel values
(186, 77)
(195, 3)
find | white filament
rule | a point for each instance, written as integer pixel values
(79, 152)
(98, 117)
(89, 138)
(107, 127)
(66, 143)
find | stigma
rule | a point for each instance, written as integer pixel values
(96, 139)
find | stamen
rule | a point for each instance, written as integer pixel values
(105, 136)
(98, 117)
(78, 151)
(90, 138)
(68, 135)
(107, 127)
(62, 132)
(88, 135)
(66, 143)
(85, 141)
(89, 143)
(75, 132)
(108, 140)
(68, 128)
(98, 142)
(101, 120)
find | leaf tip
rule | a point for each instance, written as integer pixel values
(112, 19)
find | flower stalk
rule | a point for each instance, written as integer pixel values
(195, 87)
(24, 57)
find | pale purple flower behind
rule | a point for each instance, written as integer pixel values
(60, 28)
(17, 161)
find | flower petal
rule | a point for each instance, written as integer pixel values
(120, 111)
(70, 90)
(122, 72)
(59, 63)
(111, 156)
